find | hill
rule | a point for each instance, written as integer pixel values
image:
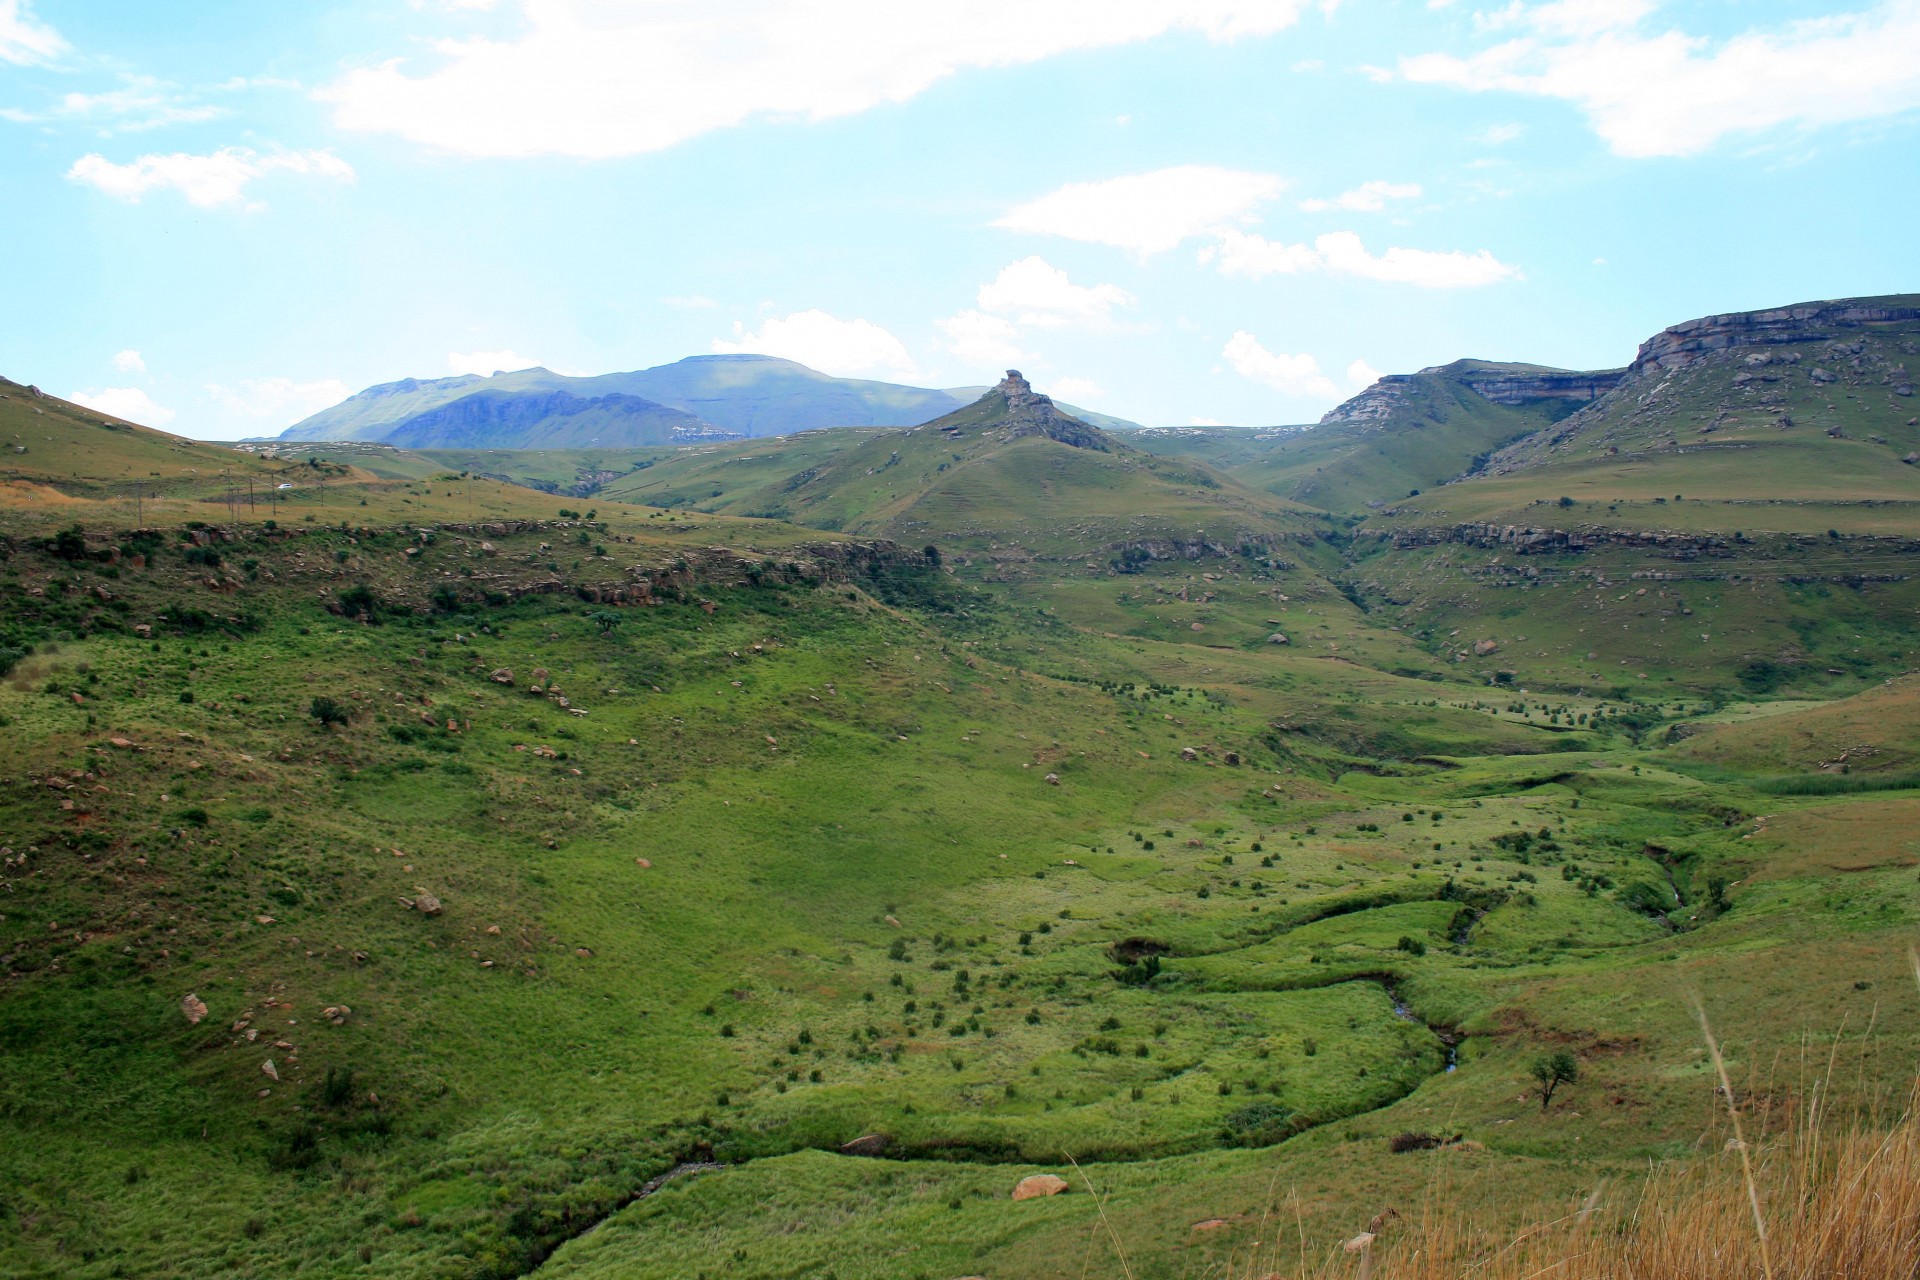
(1406, 433)
(1009, 479)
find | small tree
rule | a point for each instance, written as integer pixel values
(605, 620)
(1553, 1070)
(328, 710)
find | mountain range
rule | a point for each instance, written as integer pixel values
(700, 398)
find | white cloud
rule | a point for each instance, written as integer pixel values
(129, 361)
(487, 363)
(843, 348)
(1342, 253)
(24, 39)
(281, 401)
(1038, 293)
(1205, 422)
(141, 103)
(596, 79)
(1368, 197)
(1077, 389)
(209, 181)
(130, 403)
(981, 339)
(1147, 212)
(1673, 94)
(1290, 375)
(1361, 375)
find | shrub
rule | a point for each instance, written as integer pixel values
(1258, 1124)
(329, 710)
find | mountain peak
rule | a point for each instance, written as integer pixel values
(1028, 413)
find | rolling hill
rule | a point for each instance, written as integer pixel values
(1406, 433)
(1010, 478)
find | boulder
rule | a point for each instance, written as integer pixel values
(1481, 648)
(423, 902)
(1278, 638)
(502, 675)
(270, 1071)
(1188, 753)
(1053, 779)
(867, 1144)
(193, 1008)
(1038, 1186)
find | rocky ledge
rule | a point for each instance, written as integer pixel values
(1686, 343)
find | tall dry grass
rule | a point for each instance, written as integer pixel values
(1834, 1205)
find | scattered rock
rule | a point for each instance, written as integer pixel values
(1278, 638)
(193, 1008)
(1038, 1186)
(270, 1071)
(1481, 648)
(1188, 753)
(1053, 779)
(125, 744)
(1211, 1224)
(642, 863)
(867, 1144)
(502, 675)
(423, 902)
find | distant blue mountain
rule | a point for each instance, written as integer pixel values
(701, 397)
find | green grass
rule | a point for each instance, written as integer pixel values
(853, 782)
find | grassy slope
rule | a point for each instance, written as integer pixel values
(982, 494)
(797, 766)
(1437, 430)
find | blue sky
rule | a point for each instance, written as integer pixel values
(222, 216)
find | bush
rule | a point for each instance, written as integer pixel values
(329, 710)
(1258, 1124)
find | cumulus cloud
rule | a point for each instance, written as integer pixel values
(1668, 93)
(844, 348)
(1078, 389)
(130, 403)
(487, 363)
(24, 39)
(1368, 197)
(1290, 375)
(593, 79)
(1147, 212)
(280, 401)
(129, 361)
(1240, 253)
(1361, 375)
(210, 181)
(1035, 292)
(141, 102)
(981, 339)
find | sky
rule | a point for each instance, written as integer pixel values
(221, 216)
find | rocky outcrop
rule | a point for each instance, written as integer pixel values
(1031, 414)
(1525, 386)
(1504, 384)
(1683, 344)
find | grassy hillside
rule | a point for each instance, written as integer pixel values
(627, 890)
(1431, 427)
(997, 499)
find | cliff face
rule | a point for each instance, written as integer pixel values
(1683, 344)
(1504, 384)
